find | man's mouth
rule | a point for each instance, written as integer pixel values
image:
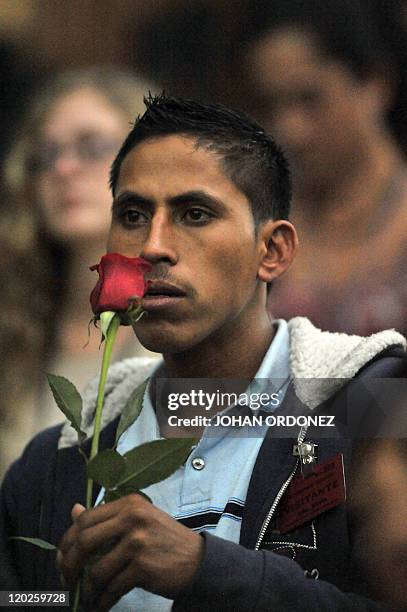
(161, 295)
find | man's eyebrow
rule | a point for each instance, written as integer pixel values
(131, 197)
(196, 197)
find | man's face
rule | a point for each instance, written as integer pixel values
(175, 207)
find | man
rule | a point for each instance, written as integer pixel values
(202, 193)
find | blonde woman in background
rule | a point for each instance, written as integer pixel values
(54, 223)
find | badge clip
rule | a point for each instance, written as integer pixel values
(308, 453)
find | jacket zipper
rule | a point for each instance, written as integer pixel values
(279, 495)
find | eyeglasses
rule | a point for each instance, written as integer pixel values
(86, 148)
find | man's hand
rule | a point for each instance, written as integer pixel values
(149, 550)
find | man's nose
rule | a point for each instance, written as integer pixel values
(160, 244)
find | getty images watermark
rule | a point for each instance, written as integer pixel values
(220, 401)
(366, 408)
(252, 420)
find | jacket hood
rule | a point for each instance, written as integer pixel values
(321, 362)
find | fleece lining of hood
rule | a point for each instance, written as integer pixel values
(321, 362)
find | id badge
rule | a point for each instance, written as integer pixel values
(309, 496)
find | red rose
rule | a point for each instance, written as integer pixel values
(121, 281)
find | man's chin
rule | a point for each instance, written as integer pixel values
(164, 341)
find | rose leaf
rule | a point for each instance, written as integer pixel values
(106, 468)
(154, 461)
(68, 400)
(117, 493)
(132, 409)
(36, 541)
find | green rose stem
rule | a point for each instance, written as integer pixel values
(77, 597)
(110, 336)
(112, 321)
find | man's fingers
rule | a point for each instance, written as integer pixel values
(93, 516)
(99, 533)
(92, 539)
(104, 570)
(71, 564)
(86, 533)
(80, 544)
(70, 536)
(121, 584)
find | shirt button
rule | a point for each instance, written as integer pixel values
(198, 463)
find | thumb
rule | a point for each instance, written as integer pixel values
(76, 511)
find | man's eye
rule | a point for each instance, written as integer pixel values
(197, 215)
(133, 217)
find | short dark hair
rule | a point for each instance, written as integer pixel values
(250, 158)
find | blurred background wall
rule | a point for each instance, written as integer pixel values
(191, 47)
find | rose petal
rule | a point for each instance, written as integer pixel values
(121, 279)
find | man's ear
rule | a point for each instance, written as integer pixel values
(278, 243)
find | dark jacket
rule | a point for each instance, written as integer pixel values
(42, 486)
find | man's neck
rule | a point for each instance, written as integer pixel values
(234, 353)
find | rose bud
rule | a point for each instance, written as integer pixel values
(120, 286)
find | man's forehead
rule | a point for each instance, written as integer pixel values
(172, 158)
(169, 145)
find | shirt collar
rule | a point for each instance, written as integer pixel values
(274, 371)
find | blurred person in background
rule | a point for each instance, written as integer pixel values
(381, 491)
(330, 78)
(54, 223)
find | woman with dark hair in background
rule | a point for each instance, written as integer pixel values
(331, 82)
(54, 222)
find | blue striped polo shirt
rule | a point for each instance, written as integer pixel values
(209, 491)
